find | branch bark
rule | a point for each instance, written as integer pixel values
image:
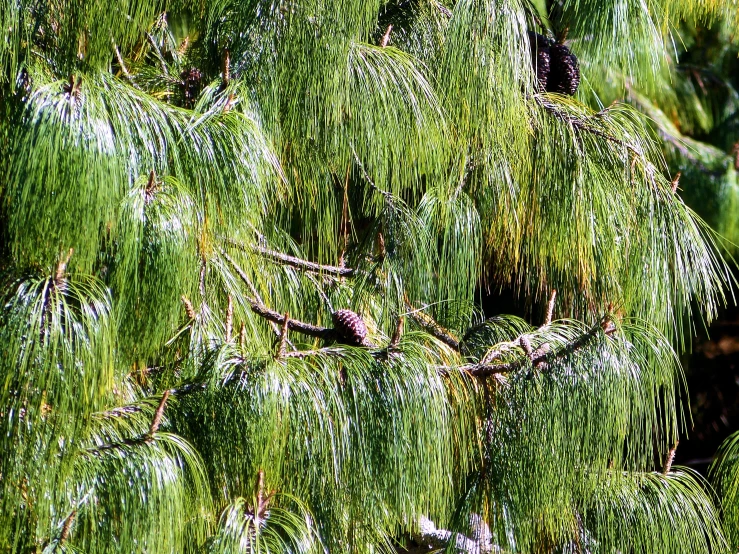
(540, 356)
(297, 263)
(271, 315)
(432, 327)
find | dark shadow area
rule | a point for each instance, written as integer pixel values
(712, 373)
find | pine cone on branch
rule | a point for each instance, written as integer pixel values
(190, 83)
(557, 68)
(540, 58)
(351, 327)
(564, 74)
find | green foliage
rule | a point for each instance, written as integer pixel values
(189, 192)
(725, 475)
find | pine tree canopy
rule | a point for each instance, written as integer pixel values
(257, 259)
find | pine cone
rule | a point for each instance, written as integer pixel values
(540, 58)
(564, 74)
(190, 84)
(351, 327)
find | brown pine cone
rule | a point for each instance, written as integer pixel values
(350, 327)
(564, 74)
(540, 58)
(190, 84)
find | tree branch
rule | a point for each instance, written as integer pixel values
(67, 527)
(429, 536)
(397, 334)
(292, 324)
(670, 458)
(550, 308)
(283, 337)
(271, 315)
(229, 318)
(293, 261)
(582, 125)
(430, 325)
(157, 420)
(540, 356)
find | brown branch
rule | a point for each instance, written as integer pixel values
(292, 324)
(229, 103)
(580, 124)
(61, 268)
(270, 315)
(242, 336)
(157, 420)
(675, 182)
(67, 527)
(432, 327)
(226, 67)
(263, 500)
(386, 37)
(151, 187)
(540, 356)
(292, 261)
(398, 333)
(184, 45)
(283, 337)
(550, 308)
(229, 318)
(669, 459)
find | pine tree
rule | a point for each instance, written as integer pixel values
(245, 250)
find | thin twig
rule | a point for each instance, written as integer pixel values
(260, 489)
(252, 288)
(283, 337)
(386, 194)
(675, 182)
(386, 37)
(537, 357)
(157, 420)
(203, 273)
(670, 458)
(578, 123)
(61, 268)
(158, 54)
(398, 333)
(550, 308)
(345, 218)
(270, 315)
(67, 527)
(300, 354)
(432, 327)
(119, 58)
(297, 263)
(229, 318)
